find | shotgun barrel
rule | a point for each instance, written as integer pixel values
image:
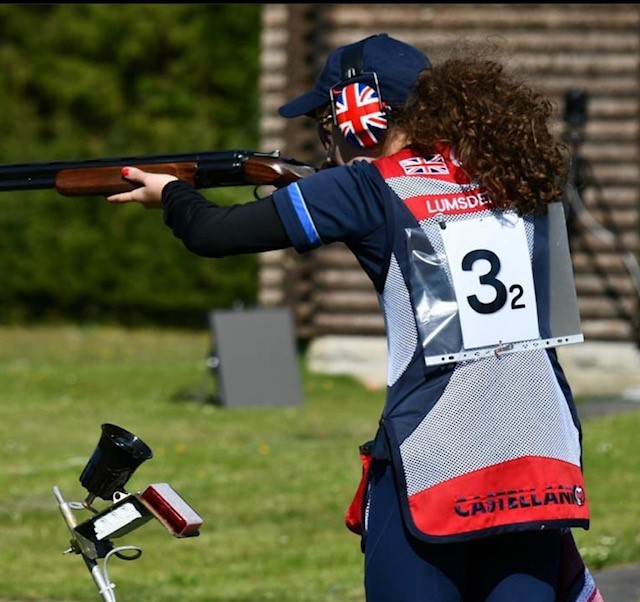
(200, 169)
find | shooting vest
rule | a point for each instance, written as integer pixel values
(479, 422)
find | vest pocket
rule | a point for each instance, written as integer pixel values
(354, 516)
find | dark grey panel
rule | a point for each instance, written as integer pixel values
(256, 361)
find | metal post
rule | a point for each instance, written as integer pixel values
(104, 588)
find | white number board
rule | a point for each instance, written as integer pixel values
(492, 280)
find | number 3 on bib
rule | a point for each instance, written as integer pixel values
(492, 280)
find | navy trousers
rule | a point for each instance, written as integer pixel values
(522, 567)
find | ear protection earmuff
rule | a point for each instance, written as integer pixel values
(356, 103)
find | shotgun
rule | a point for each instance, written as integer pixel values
(103, 177)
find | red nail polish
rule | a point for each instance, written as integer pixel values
(125, 172)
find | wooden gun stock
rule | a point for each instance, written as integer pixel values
(103, 177)
(274, 171)
(106, 181)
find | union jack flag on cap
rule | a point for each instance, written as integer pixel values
(359, 114)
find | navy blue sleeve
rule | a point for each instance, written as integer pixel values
(342, 204)
(210, 230)
(337, 204)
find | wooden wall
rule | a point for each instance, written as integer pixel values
(595, 47)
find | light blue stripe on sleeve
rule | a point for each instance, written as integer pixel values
(303, 214)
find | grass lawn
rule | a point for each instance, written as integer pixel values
(272, 484)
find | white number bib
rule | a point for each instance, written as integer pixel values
(492, 280)
(485, 303)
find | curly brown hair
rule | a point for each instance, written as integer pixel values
(497, 126)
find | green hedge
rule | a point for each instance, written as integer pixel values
(105, 80)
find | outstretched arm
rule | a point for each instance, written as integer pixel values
(207, 229)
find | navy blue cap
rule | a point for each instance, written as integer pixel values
(396, 64)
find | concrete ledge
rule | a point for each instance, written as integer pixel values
(593, 368)
(362, 357)
(602, 368)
